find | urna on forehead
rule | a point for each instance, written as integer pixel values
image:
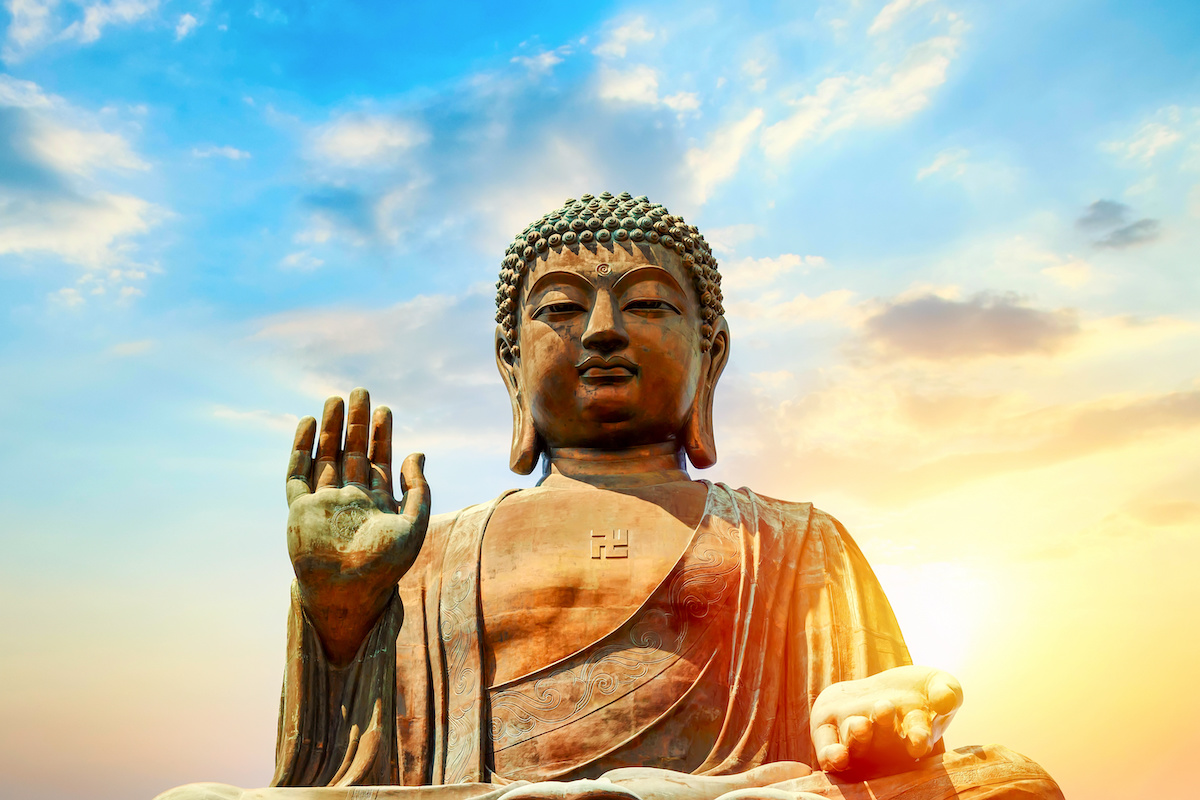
(604, 222)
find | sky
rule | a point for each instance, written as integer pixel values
(958, 240)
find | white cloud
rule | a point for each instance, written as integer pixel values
(210, 151)
(718, 162)
(892, 12)
(748, 272)
(950, 161)
(30, 23)
(724, 240)
(754, 69)
(36, 23)
(361, 140)
(82, 151)
(17, 93)
(256, 417)
(888, 95)
(682, 101)
(301, 261)
(98, 16)
(52, 204)
(543, 62)
(1151, 138)
(617, 43)
(187, 23)
(635, 85)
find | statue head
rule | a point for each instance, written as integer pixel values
(611, 332)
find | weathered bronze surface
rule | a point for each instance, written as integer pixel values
(619, 631)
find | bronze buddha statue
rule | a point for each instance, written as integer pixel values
(620, 630)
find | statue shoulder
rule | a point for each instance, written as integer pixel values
(792, 513)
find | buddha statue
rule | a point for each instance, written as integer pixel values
(620, 631)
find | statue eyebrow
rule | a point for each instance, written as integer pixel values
(561, 275)
(641, 273)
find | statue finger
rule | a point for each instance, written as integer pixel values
(884, 715)
(945, 694)
(355, 467)
(380, 454)
(325, 473)
(917, 731)
(300, 463)
(832, 755)
(416, 489)
(856, 732)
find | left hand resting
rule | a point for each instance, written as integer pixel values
(881, 723)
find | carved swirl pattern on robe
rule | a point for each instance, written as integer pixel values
(701, 580)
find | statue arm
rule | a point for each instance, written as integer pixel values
(877, 712)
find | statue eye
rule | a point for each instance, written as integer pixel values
(650, 305)
(564, 307)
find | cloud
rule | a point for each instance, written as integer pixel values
(187, 23)
(726, 239)
(718, 161)
(256, 417)
(430, 358)
(132, 348)
(888, 15)
(1060, 434)
(50, 201)
(1150, 139)
(749, 272)
(301, 261)
(634, 85)
(932, 327)
(544, 61)
(950, 161)
(211, 151)
(1140, 232)
(1103, 214)
(618, 41)
(98, 16)
(360, 140)
(888, 95)
(1111, 216)
(682, 101)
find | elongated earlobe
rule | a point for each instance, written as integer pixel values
(698, 440)
(527, 446)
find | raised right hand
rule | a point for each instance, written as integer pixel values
(348, 538)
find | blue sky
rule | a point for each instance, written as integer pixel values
(958, 240)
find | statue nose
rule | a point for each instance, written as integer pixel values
(605, 332)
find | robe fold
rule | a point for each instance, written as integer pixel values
(714, 674)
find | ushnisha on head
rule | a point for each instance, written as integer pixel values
(602, 219)
(611, 335)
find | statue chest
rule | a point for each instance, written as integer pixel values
(561, 569)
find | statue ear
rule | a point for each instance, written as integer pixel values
(527, 446)
(698, 440)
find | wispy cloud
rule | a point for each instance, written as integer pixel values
(214, 151)
(187, 23)
(360, 140)
(950, 162)
(889, 94)
(618, 41)
(892, 12)
(718, 160)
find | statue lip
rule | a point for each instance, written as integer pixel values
(599, 370)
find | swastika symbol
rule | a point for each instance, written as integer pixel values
(610, 545)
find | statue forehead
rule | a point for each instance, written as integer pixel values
(601, 262)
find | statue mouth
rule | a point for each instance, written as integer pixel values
(599, 371)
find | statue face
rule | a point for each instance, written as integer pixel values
(610, 346)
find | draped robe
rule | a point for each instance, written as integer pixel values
(714, 674)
